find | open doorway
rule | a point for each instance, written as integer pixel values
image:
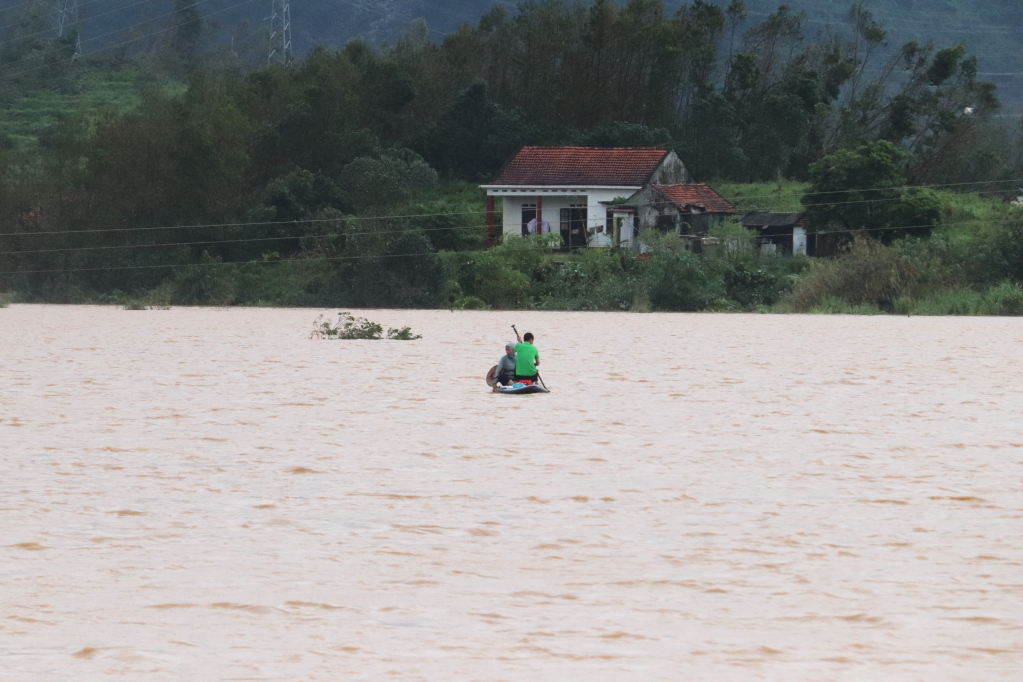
(573, 226)
(528, 214)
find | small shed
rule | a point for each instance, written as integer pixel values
(687, 209)
(782, 232)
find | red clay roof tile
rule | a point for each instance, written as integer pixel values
(699, 194)
(592, 166)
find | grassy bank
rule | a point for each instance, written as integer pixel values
(971, 264)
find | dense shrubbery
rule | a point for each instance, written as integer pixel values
(868, 273)
(350, 177)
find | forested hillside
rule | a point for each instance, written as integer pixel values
(990, 28)
(186, 173)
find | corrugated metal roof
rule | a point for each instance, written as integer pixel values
(696, 194)
(765, 219)
(581, 166)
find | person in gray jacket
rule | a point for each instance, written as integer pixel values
(506, 366)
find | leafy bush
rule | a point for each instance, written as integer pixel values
(502, 276)
(403, 334)
(751, 287)
(350, 328)
(595, 280)
(209, 282)
(867, 273)
(679, 280)
(347, 327)
(376, 183)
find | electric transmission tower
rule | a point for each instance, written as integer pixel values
(280, 32)
(65, 20)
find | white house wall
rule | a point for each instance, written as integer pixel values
(555, 199)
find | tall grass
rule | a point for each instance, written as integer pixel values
(867, 273)
(1004, 299)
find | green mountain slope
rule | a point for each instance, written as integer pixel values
(992, 29)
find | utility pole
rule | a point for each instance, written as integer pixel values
(65, 20)
(280, 32)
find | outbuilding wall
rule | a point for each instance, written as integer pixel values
(671, 171)
(652, 205)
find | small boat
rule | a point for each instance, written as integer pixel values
(522, 389)
(514, 389)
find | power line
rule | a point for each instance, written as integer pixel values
(245, 240)
(122, 30)
(88, 17)
(22, 4)
(875, 189)
(260, 223)
(479, 212)
(377, 256)
(203, 242)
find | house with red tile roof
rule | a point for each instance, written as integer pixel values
(687, 209)
(577, 193)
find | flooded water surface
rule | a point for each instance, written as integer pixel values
(203, 494)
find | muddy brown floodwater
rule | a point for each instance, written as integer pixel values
(209, 494)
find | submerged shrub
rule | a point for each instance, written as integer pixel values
(348, 327)
(403, 334)
(470, 303)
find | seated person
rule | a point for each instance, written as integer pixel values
(506, 366)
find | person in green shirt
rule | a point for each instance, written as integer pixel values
(527, 359)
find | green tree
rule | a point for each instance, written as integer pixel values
(474, 136)
(864, 189)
